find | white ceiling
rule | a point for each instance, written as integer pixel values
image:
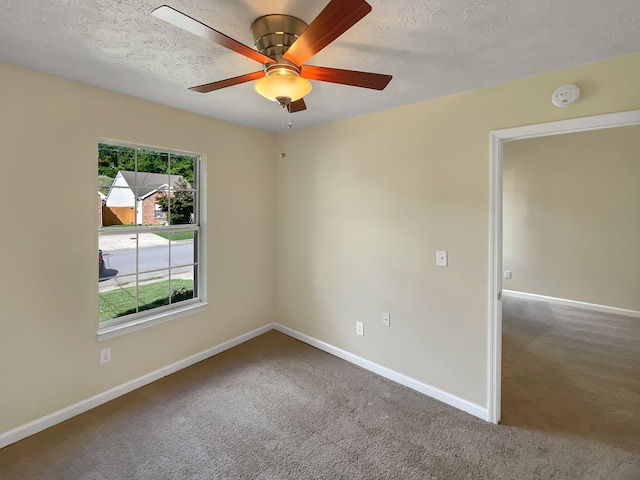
(432, 48)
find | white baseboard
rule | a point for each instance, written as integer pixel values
(449, 399)
(573, 303)
(66, 413)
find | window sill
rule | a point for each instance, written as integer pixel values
(113, 331)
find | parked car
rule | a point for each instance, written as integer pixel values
(100, 262)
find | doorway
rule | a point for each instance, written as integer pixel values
(498, 139)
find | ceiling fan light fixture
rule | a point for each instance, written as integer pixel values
(282, 81)
(283, 45)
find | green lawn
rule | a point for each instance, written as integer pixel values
(122, 301)
(176, 235)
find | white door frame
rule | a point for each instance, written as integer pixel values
(498, 138)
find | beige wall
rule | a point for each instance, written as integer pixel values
(364, 203)
(572, 216)
(49, 128)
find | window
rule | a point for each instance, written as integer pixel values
(150, 237)
(159, 211)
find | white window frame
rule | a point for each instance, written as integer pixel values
(136, 321)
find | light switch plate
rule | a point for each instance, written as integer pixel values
(441, 258)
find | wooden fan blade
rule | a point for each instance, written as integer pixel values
(229, 82)
(336, 18)
(375, 81)
(185, 22)
(297, 106)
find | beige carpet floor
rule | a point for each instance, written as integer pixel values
(275, 408)
(571, 371)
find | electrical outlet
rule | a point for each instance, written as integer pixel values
(386, 319)
(360, 329)
(105, 355)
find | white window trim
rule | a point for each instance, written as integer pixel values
(149, 320)
(185, 308)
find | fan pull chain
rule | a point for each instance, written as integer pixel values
(286, 107)
(282, 120)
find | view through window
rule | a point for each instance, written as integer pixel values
(149, 228)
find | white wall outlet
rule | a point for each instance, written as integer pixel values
(360, 329)
(507, 274)
(386, 319)
(441, 258)
(105, 355)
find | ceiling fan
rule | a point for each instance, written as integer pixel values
(283, 44)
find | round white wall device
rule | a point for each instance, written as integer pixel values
(565, 95)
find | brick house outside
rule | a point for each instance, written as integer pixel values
(152, 214)
(140, 191)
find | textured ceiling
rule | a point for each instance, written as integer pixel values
(431, 47)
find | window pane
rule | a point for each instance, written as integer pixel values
(182, 284)
(184, 166)
(181, 205)
(119, 254)
(120, 205)
(113, 158)
(154, 292)
(149, 190)
(153, 162)
(117, 297)
(182, 252)
(153, 253)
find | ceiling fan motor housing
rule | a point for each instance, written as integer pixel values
(274, 34)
